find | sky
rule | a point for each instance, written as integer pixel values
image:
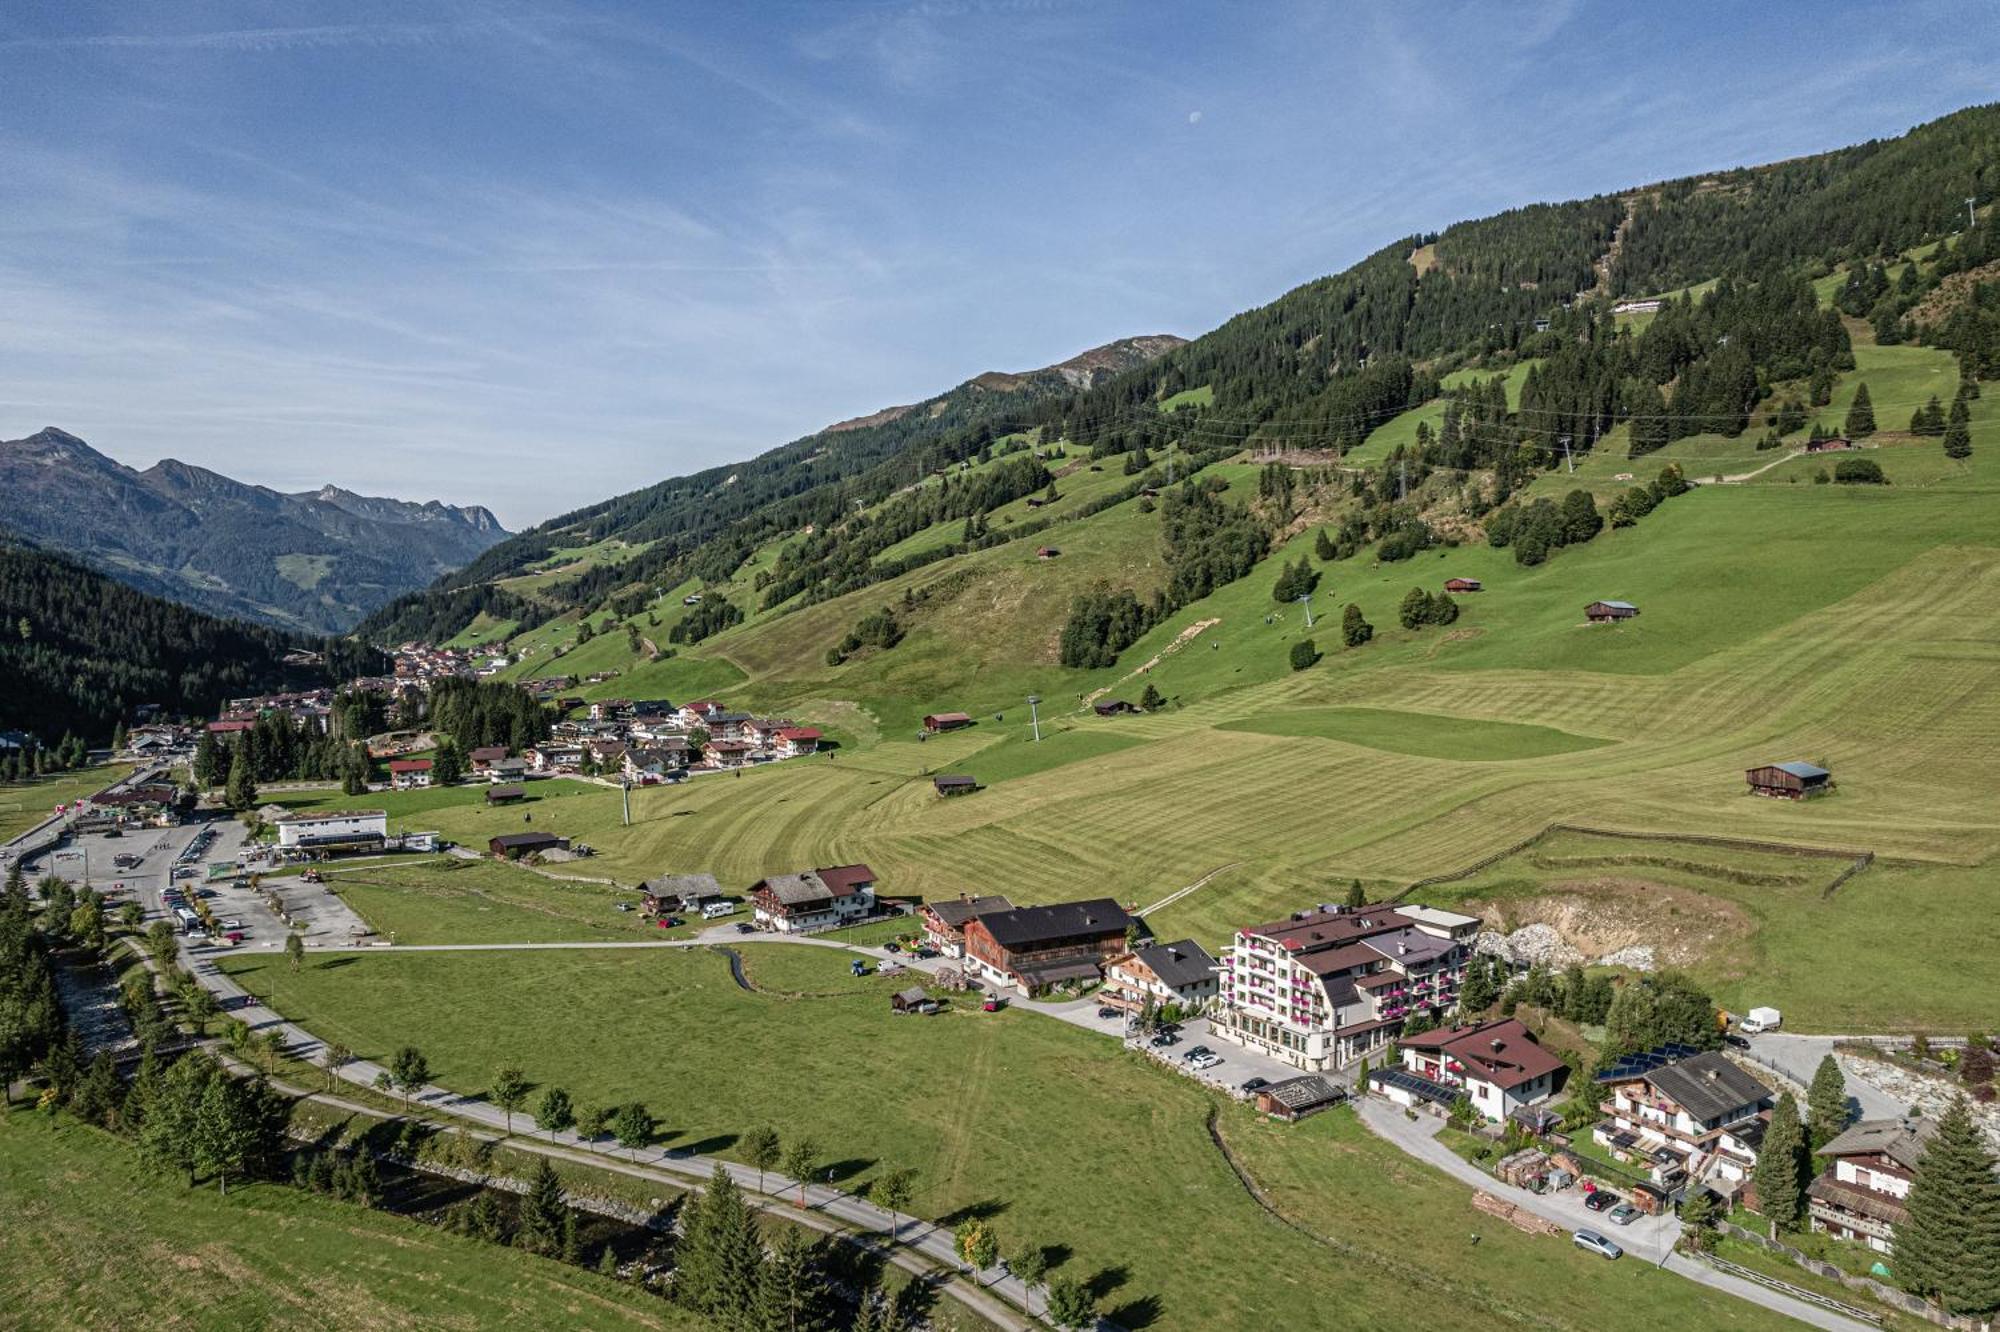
(534, 256)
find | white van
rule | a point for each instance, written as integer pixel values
(1760, 1019)
(716, 910)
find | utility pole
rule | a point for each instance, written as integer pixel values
(1035, 716)
(1971, 218)
(1307, 601)
(625, 790)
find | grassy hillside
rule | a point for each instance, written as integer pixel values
(838, 1065)
(93, 1240)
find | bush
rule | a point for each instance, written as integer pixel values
(1859, 472)
(1304, 654)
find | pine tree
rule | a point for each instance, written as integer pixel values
(1949, 1247)
(1354, 628)
(1861, 415)
(447, 767)
(1356, 896)
(1699, 1215)
(1323, 547)
(207, 761)
(792, 1291)
(241, 793)
(1781, 1166)
(542, 1211)
(1151, 701)
(1416, 608)
(1958, 432)
(719, 1253)
(1826, 1103)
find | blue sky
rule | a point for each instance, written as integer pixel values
(532, 257)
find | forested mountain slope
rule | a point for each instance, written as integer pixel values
(78, 650)
(316, 561)
(1530, 291)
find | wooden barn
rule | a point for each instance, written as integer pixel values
(1462, 585)
(1789, 781)
(947, 721)
(954, 784)
(1113, 707)
(1830, 444)
(1609, 612)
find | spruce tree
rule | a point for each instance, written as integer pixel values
(1861, 415)
(1781, 1166)
(792, 1293)
(241, 793)
(1958, 432)
(1356, 897)
(1354, 628)
(1323, 547)
(1416, 608)
(1151, 701)
(542, 1211)
(1826, 1103)
(1949, 1247)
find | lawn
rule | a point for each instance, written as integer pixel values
(418, 809)
(1467, 740)
(94, 1240)
(460, 901)
(995, 1111)
(25, 804)
(1018, 754)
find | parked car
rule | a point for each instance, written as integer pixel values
(232, 924)
(1624, 1214)
(892, 947)
(1203, 1063)
(235, 937)
(1255, 1085)
(1735, 1042)
(1163, 1039)
(1592, 1242)
(743, 927)
(1107, 1013)
(1197, 1052)
(1602, 1199)
(927, 951)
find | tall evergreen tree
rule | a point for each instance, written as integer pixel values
(1949, 1247)
(1826, 1103)
(720, 1254)
(1782, 1166)
(1354, 627)
(542, 1211)
(792, 1293)
(241, 792)
(1958, 431)
(1860, 415)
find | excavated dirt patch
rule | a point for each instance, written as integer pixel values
(1605, 915)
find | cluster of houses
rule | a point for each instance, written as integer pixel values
(651, 740)
(421, 663)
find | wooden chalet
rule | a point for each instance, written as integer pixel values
(947, 721)
(954, 784)
(913, 1000)
(678, 892)
(486, 756)
(1830, 444)
(1609, 612)
(1863, 1195)
(508, 794)
(945, 921)
(1296, 1098)
(1463, 585)
(1037, 948)
(1789, 781)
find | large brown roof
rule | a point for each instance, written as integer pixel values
(1503, 1052)
(1326, 929)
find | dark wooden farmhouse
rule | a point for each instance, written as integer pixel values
(1462, 585)
(1830, 444)
(954, 784)
(1609, 612)
(1037, 948)
(1113, 707)
(947, 721)
(513, 846)
(1790, 781)
(507, 794)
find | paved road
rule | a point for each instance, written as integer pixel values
(1797, 1057)
(1650, 1239)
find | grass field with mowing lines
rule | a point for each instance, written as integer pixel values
(486, 902)
(1421, 733)
(25, 804)
(94, 1240)
(868, 1085)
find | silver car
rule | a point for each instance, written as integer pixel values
(1592, 1242)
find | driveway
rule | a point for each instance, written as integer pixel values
(1797, 1057)
(1648, 1239)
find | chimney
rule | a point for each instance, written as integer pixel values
(1498, 1044)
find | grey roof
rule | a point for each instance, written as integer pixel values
(1305, 1092)
(1901, 1140)
(797, 889)
(1806, 770)
(959, 910)
(953, 780)
(1410, 946)
(914, 995)
(1027, 926)
(1178, 964)
(684, 885)
(1618, 605)
(1707, 1085)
